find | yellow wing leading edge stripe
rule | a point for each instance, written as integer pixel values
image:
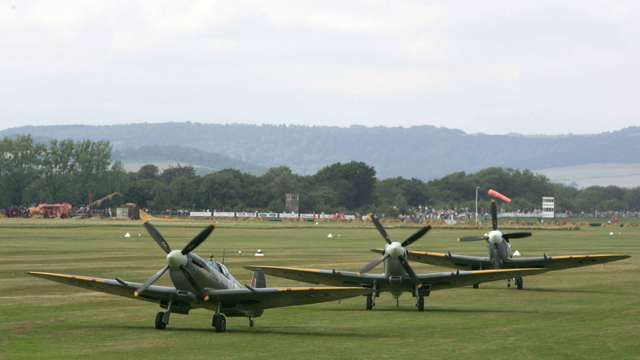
(72, 277)
(595, 256)
(315, 271)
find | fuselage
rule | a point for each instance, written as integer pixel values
(499, 249)
(205, 274)
(394, 272)
(189, 270)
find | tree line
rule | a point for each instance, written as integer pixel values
(68, 171)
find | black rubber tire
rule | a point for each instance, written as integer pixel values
(420, 303)
(252, 323)
(223, 323)
(160, 324)
(219, 322)
(520, 283)
(370, 302)
(476, 286)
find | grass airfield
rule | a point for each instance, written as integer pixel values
(585, 313)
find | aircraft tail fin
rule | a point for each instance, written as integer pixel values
(258, 279)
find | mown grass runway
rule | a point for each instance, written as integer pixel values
(591, 312)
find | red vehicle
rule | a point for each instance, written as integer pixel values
(52, 210)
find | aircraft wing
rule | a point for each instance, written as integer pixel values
(447, 260)
(315, 276)
(265, 298)
(563, 262)
(247, 298)
(118, 287)
(436, 281)
(447, 280)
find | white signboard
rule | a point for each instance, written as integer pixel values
(200, 214)
(548, 207)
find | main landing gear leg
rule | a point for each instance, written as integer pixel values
(421, 293)
(162, 318)
(219, 321)
(370, 301)
(420, 302)
(371, 298)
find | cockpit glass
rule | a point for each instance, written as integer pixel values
(224, 270)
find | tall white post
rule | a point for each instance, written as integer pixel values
(477, 188)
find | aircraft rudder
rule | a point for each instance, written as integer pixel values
(258, 279)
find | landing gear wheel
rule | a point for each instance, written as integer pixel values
(252, 323)
(508, 283)
(476, 286)
(519, 283)
(420, 303)
(160, 324)
(219, 322)
(370, 303)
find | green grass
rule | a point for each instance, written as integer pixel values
(583, 313)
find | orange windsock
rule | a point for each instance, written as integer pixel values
(496, 195)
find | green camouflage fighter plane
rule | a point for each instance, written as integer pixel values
(205, 284)
(398, 276)
(501, 255)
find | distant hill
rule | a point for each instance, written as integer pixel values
(423, 152)
(166, 156)
(581, 176)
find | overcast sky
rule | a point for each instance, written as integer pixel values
(536, 67)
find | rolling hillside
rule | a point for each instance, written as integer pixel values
(423, 152)
(166, 156)
(581, 176)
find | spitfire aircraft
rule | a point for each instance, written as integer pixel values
(501, 255)
(398, 276)
(205, 284)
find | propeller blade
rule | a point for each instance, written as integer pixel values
(373, 264)
(494, 215)
(155, 234)
(202, 236)
(408, 269)
(516, 235)
(417, 235)
(472, 238)
(380, 228)
(150, 281)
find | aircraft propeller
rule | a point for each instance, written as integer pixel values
(494, 227)
(175, 258)
(395, 249)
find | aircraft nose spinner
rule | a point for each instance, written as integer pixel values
(176, 259)
(495, 237)
(395, 249)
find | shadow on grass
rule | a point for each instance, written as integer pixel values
(577, 291)
(428, 309)
(245, 330)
